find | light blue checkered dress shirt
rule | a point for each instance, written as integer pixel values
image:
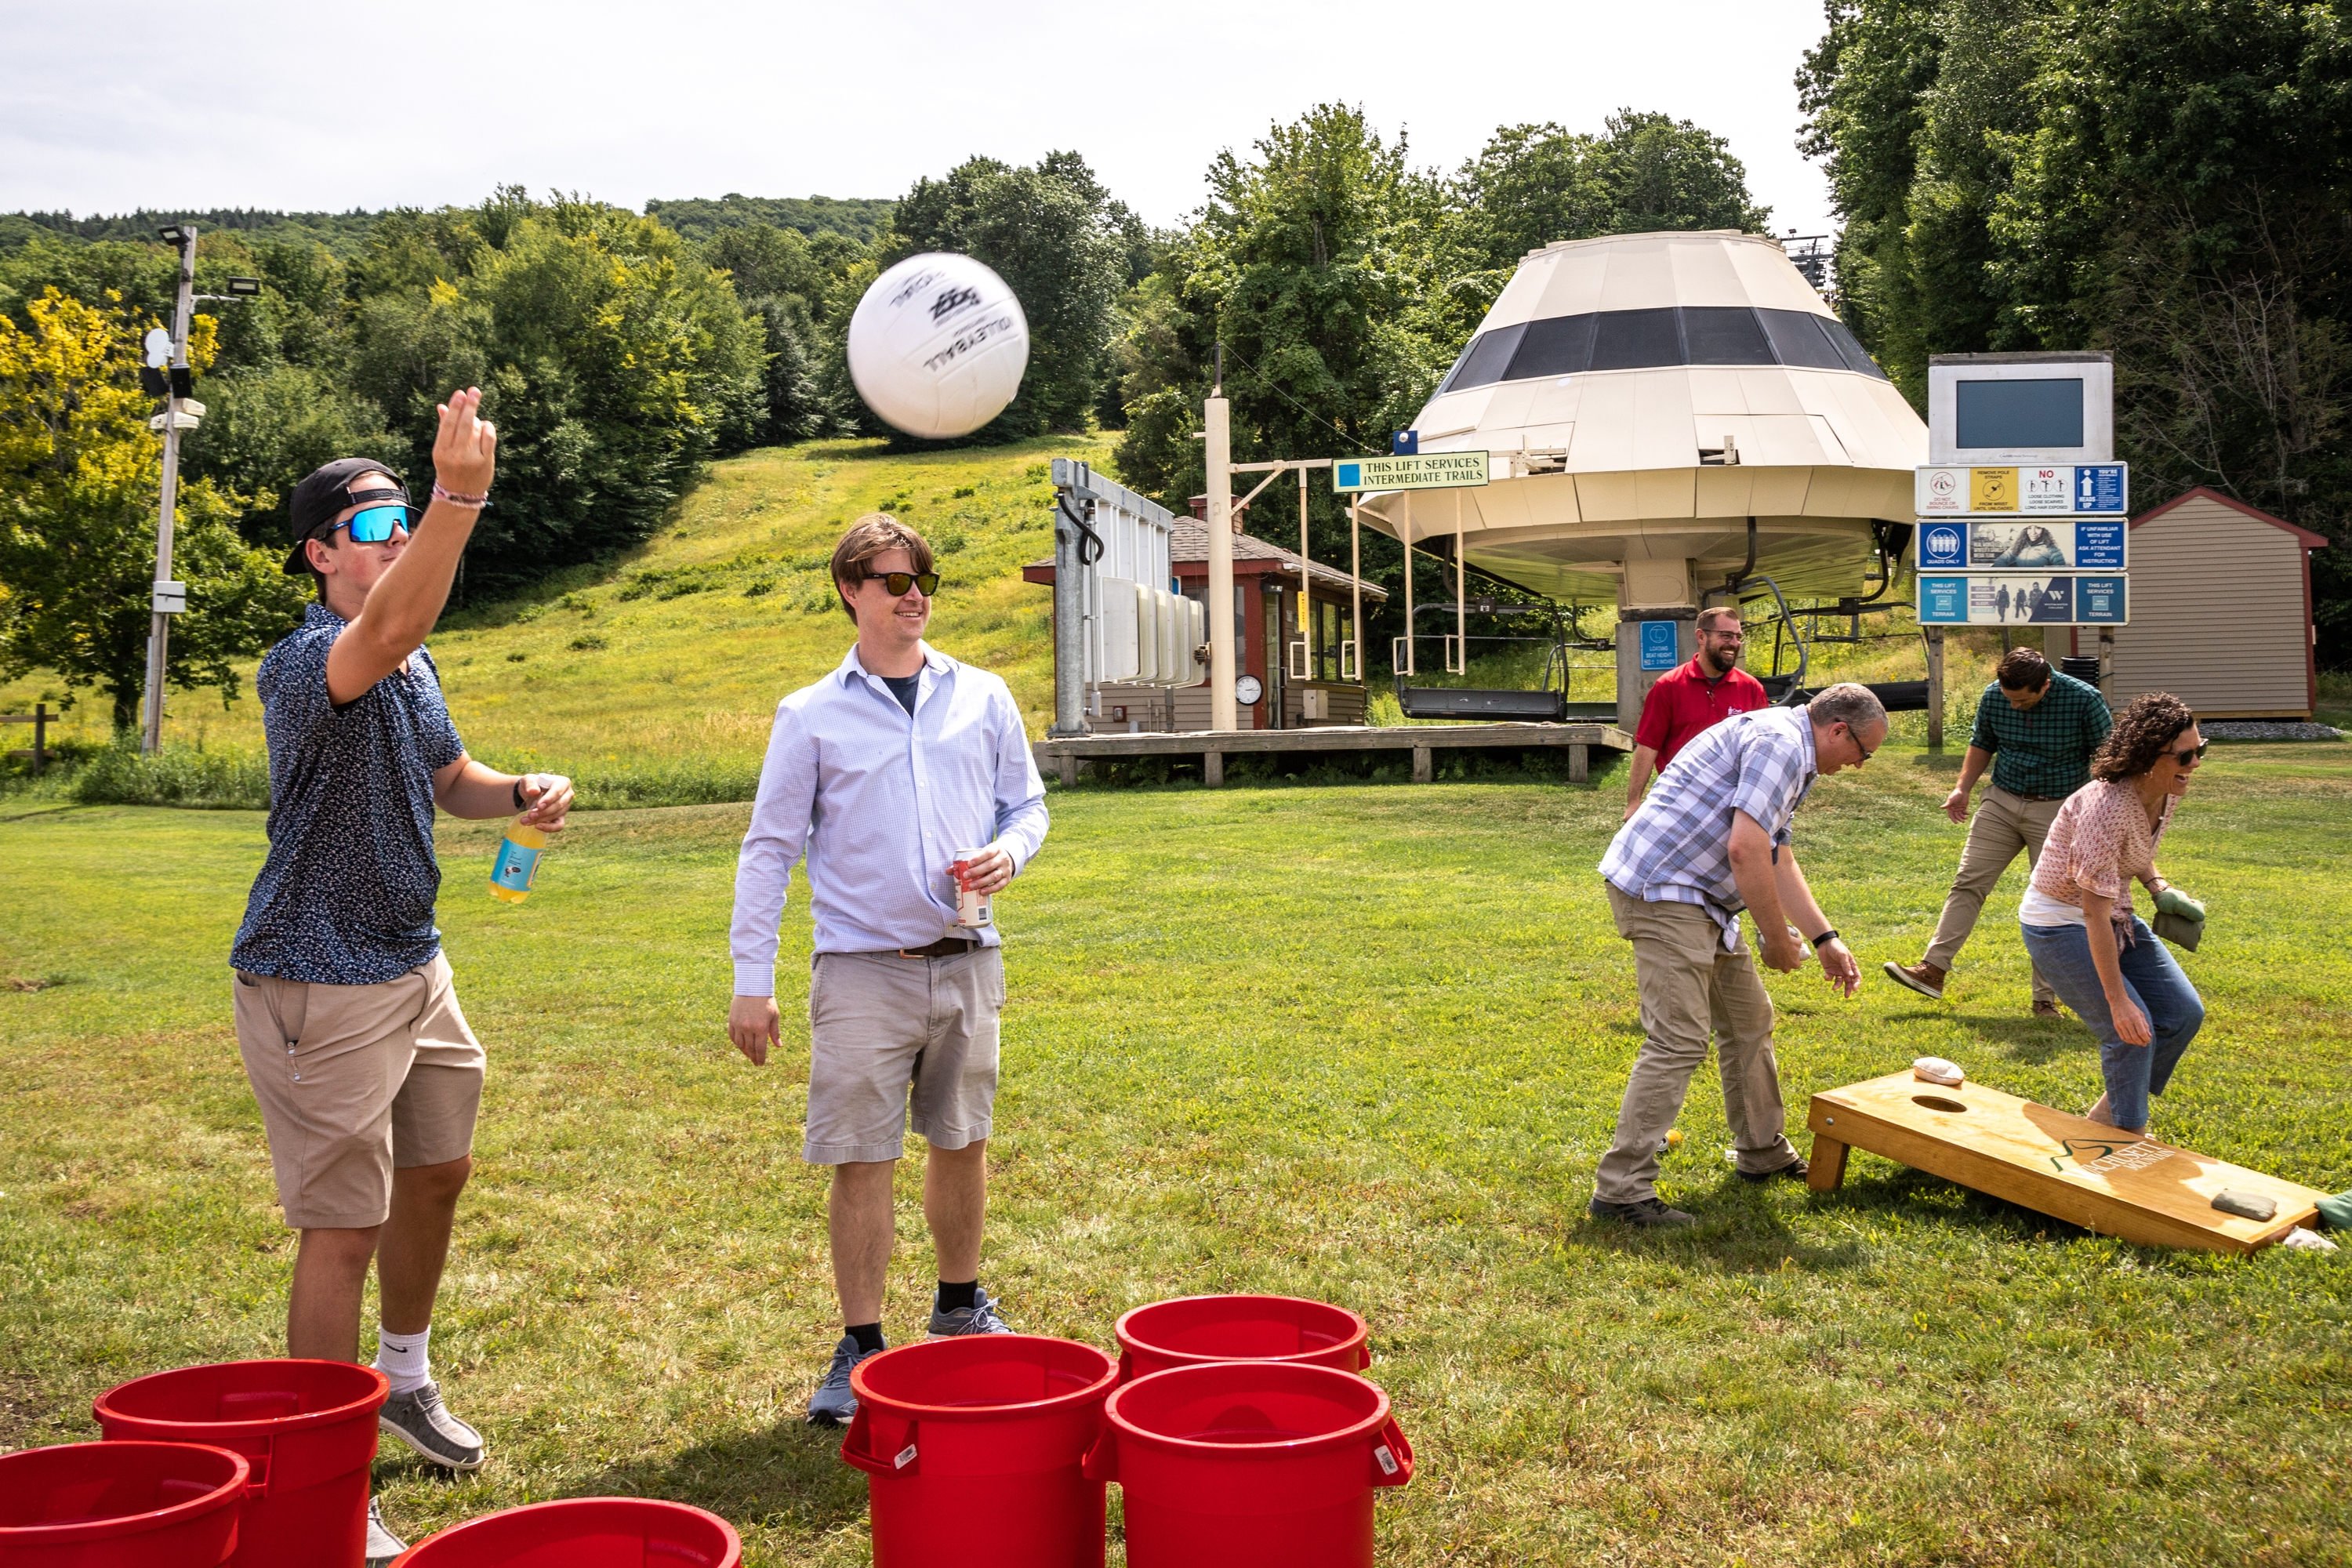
(880, 802)
(1676, 847)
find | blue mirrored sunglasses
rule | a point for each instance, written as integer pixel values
(373, 524)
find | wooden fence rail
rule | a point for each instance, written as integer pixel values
(41, 719)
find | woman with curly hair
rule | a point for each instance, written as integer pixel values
(2077, 917)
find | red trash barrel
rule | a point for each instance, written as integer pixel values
(1248, 1464)
(973, 1447)
(119, 1505)
(584, 1533)
(307, 1428)
(1192, 1331)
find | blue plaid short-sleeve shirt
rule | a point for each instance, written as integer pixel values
(1676, 847)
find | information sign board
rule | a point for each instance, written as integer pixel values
(1974, 599)
(1427, 471)
(1658, 645)
(2044, 491)
(2022, 545)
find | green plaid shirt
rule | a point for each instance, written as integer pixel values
(2046, 749)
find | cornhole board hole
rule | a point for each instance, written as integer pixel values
(2140, 1189)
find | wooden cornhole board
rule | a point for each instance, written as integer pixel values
(2140, 1189)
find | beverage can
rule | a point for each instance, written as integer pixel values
(971, 908)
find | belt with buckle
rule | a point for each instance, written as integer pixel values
(946, 947)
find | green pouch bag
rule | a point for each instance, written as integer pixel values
(2336, 1213)
(2177, 930)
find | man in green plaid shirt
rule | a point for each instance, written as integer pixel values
(2036, 729)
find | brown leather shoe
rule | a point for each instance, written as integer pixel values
(2043, 1009)
(1923, 977)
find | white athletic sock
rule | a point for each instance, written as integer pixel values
(402, 1359)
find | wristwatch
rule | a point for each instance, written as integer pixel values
(1827, 936)
(518, 790)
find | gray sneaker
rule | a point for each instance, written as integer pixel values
(834, 1404)
(1648, 1212)
(419, 1419)
(382, 1545)
(980, 1318)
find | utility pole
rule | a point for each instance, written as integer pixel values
(1224, 711)
(168, 598)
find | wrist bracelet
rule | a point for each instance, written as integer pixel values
(454, 498)
(518, 790)
(1829, 935)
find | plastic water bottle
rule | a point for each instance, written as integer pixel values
(517, 867)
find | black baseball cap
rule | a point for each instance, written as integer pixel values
(324, 493)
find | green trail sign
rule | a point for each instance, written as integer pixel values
(1429, 471)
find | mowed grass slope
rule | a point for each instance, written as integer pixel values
(1360, 1044)
(658, 677)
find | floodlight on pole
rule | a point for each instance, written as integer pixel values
(167, 374)
(176, 417)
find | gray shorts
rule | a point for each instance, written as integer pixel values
(898, 1041)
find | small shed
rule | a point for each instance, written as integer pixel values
(1270, 642)
(2220, 611)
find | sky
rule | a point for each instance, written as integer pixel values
(113, 105)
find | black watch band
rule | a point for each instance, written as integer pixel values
(518, 788)
(1829, 935)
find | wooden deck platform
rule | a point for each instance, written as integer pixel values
(1062, 755)
(2140, 1189)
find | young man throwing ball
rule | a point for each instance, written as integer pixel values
(368, 1078)
(880, 772)
(1712, 841)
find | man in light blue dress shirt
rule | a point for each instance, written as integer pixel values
(880, 772)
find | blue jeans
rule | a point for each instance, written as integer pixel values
(2062, 955)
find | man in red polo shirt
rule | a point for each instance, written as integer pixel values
(1708, 691)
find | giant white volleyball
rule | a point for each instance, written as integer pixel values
(938, 345)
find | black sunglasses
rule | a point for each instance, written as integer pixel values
(2187, 754)
(897, 582)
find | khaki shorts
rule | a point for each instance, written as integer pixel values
(354, 1080)
(894, 1041)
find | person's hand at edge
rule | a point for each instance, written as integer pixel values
(1956, 805)
(2131, 1023)
(465, 447)
(988, 872)
(1839, 966)
(1783, 952)
(754, 1024)
(547, 797)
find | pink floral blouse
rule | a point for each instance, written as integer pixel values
(2101, 843)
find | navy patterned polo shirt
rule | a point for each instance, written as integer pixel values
(346, 895)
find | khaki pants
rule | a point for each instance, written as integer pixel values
(1692, 985)
(2004, 824)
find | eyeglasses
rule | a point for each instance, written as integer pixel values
(897, 582)
(1724, 636)
(1856, 736)
(2189, 754)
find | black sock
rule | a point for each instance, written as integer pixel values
(955, 1297)
(867, 1335)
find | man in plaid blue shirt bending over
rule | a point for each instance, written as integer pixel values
(1711, 839)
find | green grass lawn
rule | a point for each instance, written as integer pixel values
(1361, 1044)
